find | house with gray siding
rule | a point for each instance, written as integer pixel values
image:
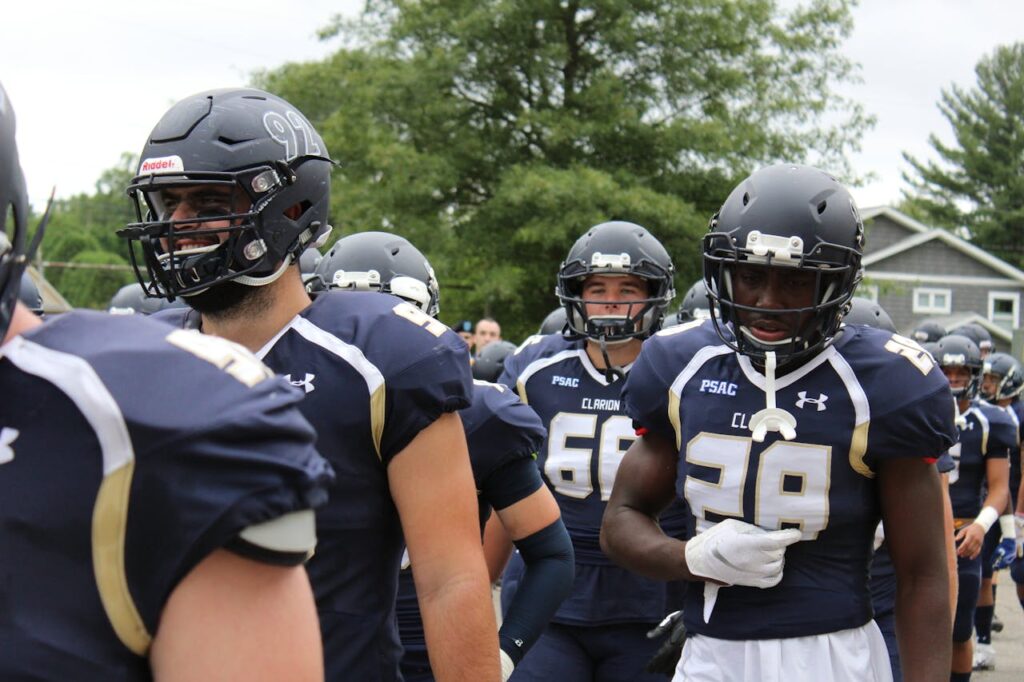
(918, 273)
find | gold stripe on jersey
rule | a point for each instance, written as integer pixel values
(858, 448)
(109, 522)
(377, 412)
(673, 417)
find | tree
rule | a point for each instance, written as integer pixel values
(81, 238)
(978, 182)
(492, 133)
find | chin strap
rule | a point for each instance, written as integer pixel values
(611, 372)
(771, 418)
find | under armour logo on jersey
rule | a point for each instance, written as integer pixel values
(804, 400)
(305, 384)
(7, 437)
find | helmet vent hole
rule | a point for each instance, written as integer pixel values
(746, 198)
(821, 207)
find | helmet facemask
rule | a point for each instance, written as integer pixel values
(241, 240)
(836, 272)
(642, 316)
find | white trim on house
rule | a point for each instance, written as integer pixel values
(960, 319)
(1013, 297)
(894, 215)
(961, 280)
(932, 308)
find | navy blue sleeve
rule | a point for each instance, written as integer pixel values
(419, 394)
(195, 491)
(550, 569)
(646, 392)
(918, 420)
(502, 433)
(1002, 436)
(515, 480)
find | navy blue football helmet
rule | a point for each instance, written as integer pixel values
(695, 305)
(1009, 374)
(616, 248)
(928, 332)
(491, 361)
(867, 312)
(785, 216)
(275, 169)
(955, 350)
(382, 262)
(554, 323)
(15, 249)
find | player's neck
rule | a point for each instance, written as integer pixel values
(620, 355)
(255, 323)
(22, 320)
(963, 405)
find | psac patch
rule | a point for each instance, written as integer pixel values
(718, 387)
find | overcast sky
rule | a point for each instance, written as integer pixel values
(90, 79)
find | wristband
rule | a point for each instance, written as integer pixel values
(1007, 527)
(987, 517)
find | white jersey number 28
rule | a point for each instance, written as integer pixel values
(791, 488)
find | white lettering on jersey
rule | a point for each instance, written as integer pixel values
(739, 421)
(600, 404)
(305, 384)
(569, 382)
(7, 437)
(719, 387)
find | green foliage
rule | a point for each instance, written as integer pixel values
(493, 133)
(978, 181)
(82, 231)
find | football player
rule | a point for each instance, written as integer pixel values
(987, 435)
(615, 284)
(503, 435)
(233, 186)
(883, 575)
(156, 492)
(788, 441)
(1001, 383)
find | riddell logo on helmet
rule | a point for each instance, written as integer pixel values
(162, 164)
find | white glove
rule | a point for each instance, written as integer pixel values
(507, 666)
(738, 553)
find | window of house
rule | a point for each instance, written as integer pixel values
(933, 301)
(1004, 309)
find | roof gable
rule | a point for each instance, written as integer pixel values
(922, 235)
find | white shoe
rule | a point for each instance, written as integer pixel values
(984, 657)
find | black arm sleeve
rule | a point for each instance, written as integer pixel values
(550, 568)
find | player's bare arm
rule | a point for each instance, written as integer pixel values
(263, 615)
(432, 474)
(997, 473)
(630, 533)
(912, 505)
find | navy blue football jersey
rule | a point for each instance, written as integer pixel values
(868, 397)
(375, 371)
(129, 452)
(1016, 412)
(503, 435)
(588, 433)
(986, 431)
